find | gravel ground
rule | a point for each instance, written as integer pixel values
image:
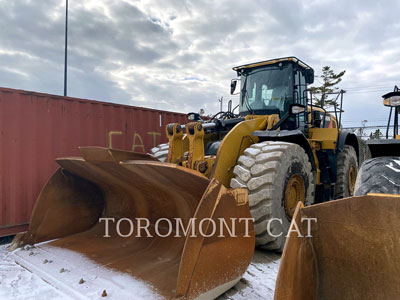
(18, 283)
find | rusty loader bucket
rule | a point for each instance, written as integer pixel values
(124, 188)
(351, 251)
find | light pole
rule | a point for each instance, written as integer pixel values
(66, 47)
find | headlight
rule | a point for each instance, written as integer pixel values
(392, 99)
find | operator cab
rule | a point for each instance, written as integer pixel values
(270, 87)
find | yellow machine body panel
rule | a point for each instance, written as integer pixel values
(327, 137)
(234, 144)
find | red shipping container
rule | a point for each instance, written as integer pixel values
(36, 128)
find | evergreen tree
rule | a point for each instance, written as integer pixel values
(375, 135)
(330, 80)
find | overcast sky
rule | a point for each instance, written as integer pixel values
(178, 55)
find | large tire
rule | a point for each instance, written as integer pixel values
(160, 152)
(347, 168)
(265, 170)
(379, 175)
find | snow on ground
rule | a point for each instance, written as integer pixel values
(259, 280)
(80, 277)
(18, 283)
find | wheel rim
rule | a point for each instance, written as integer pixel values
(294, 193)
(352, 179)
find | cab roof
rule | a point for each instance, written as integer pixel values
(271, 62)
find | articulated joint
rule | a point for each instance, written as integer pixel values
(175, 138)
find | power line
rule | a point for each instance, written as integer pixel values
(371, 86)
(367, 91)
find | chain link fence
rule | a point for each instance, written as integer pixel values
(371, 132)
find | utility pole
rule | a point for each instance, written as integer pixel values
(220, 101)
(66, 47)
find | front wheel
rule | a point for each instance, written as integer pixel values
(278, 175)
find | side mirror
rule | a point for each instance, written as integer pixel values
(233, 85)
(295, 109)
(309, 76)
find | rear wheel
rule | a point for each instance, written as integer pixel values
(160, 152)
(277, 175)
(347, 169)
(379, 175)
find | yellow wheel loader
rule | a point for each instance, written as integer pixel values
(281, 147)
(353, 249)
(279, 150)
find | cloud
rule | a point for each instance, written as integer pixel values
(178, 55)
